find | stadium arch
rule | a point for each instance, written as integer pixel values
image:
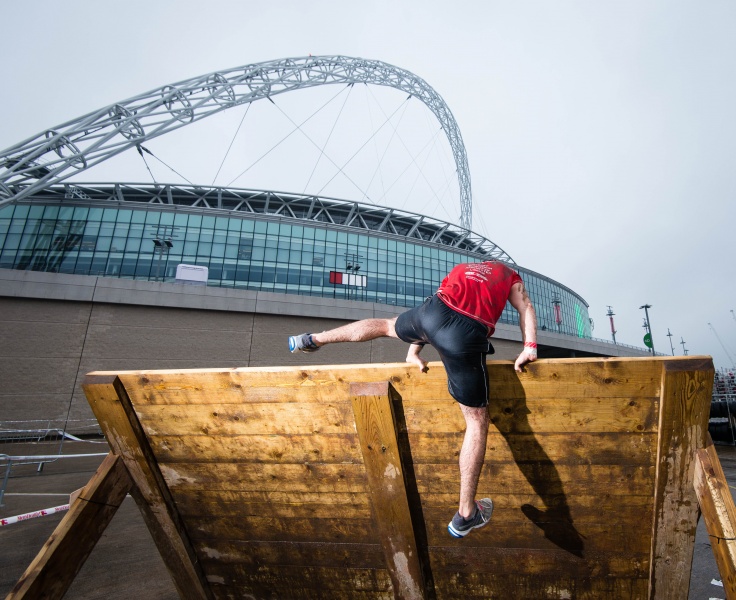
(55, 154)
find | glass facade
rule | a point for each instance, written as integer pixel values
(289, 256)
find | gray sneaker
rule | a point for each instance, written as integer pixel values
(460, 527)
(303, 342)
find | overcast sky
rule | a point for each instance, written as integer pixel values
(600, 135)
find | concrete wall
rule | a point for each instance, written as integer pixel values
(56, 328)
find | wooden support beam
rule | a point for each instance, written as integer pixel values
(719, 513)
(683, 424)
(112, 407)
(62, 556)
(375, 422)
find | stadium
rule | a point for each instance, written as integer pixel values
(98, 276)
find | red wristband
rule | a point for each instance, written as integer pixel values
(530, 345)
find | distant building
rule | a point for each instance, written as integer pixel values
(291, 263)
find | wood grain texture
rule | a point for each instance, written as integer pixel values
(719, 513)
(265, 473)
(686, 397)
(111, 405)
(376, 426)
(62, 556)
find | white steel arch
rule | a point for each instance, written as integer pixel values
(55, 154)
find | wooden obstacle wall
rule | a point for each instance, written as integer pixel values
(339, 482)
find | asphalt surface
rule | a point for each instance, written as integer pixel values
(126, 564)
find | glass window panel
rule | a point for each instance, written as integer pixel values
(21, 211)
(36, 212)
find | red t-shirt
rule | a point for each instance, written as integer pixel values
(479, 290)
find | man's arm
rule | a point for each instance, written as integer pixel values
(414, 358)
(519, 299)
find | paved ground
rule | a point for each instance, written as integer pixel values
(125, 563)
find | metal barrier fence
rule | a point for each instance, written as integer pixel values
(39, 442)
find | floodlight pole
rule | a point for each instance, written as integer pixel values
(646, 308)
(669, 335)
(610, 314)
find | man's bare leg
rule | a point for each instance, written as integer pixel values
(358, 331)
(472, 454)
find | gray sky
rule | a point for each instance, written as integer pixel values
(600, 135)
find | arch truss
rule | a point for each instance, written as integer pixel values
(55, 154)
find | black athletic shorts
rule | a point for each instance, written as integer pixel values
(461, 342)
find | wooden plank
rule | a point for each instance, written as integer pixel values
(571, 480)
(111, 406)
(509, 508)
(267, 448)
(569, 414)
(62, 556)
(561, 448)
(479, 586)
(719, 512)
(534, 562)
(376, 426)
(581, 506)
(617, 480)
(577, 377)
(263, 418)
(509, 415)
(685, 404)
(288, 581)
(550, 535)
(426, 448)
(274, 528)
(306, 554)
(288, 505)
(614, 512)
(342, 478)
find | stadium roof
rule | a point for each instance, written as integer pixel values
(333, 212)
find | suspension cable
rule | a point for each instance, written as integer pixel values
(385, 150)
(322, 150)
(341, 169)
(140, 147)
(224, 158)
(326, 155)
(420, 169)
(283, 139)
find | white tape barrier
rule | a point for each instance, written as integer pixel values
(33, 515)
